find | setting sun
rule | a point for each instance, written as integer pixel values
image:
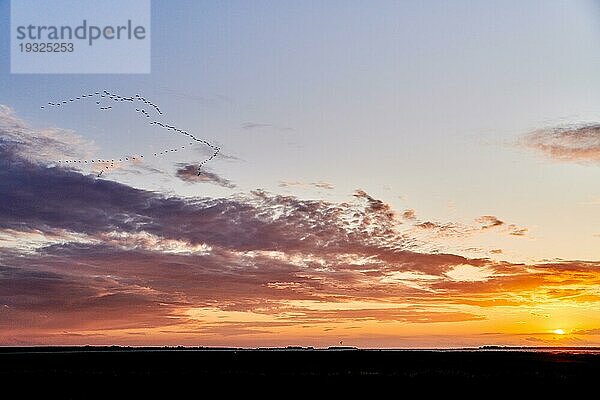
(559, 331)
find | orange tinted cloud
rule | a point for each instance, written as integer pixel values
(409, 214)
(579, 143)
(489, 221)
(125, 265)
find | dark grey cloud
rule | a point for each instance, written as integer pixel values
(189, 173)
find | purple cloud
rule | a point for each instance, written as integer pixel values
(193, 174)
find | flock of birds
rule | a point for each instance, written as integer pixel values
(110, 163)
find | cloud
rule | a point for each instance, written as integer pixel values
(323, 185)
(40, 145)
(317, 185)
(427, 225)
(106, 260)
(573, 143)
(489, 221)
(207, 152)
(515, 230)
(469, 273)
(189, 173)
(595, 331)
(48, 300)
(375, 205)
(444, 229)
(257, 125)
(409, 214)
(63, 147)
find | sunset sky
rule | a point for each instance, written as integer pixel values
(391, 174)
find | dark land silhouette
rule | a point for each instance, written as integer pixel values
(168, 368)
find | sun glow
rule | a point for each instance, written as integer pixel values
(559, 331)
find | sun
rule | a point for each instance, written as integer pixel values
(559, 331)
